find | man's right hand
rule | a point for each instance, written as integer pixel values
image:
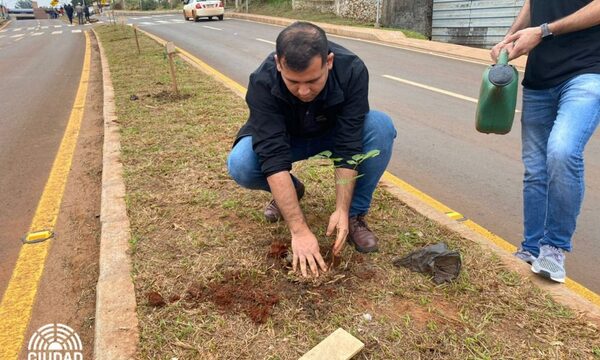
(305, 248)
(495, 52)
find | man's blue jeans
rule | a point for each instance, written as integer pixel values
(556, 125)
(378, 133)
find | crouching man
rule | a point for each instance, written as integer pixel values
(311, 96)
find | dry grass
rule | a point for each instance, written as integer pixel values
(200, 243)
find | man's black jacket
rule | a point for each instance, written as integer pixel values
(276, 115)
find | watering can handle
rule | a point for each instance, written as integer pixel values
(503, 58)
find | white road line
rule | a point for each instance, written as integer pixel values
(1, 36)
(178, 20)
(434, 89)
(37, 34)
(135, 18)
(31, 28)
(88, 24)
(70, 25)
(75, 31)
(266, 41)
(17, 29)
(162, 21)
(146, 23)
(5, 30)
(44, 27)
(57, 32)
(431, 88)
(212, 28)
(57, 26)
(19, 39)
(18, 35)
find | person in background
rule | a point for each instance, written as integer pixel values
(561, 111)
(69, 11)
(79, 11)
(86, 12)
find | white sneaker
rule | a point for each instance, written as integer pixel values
(525, 256)
(550, 264)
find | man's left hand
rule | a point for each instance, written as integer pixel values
(338, 220)
(524, 41)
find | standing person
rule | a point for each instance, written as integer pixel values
(69, 11)
(561, 110)
(309, 96)
(79, 11)
(86, 12)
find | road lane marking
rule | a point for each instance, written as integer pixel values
(178, 20)
(57, 32)
(18, 35)
(162, 21)
(17, 29)
(146, 23)
(434, 89)
(20, 294)
(37, 34)
(19, 39)
(1, 31)
(266, 41)
(212, 28)
(75, 31)
(57, 26)
(31, 28)
(44, 27)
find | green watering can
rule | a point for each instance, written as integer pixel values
(497, 97)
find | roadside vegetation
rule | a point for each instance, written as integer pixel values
(213, 280)
(283, 8)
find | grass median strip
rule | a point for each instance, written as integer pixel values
(211, 276)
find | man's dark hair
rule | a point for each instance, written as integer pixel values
(299, 43)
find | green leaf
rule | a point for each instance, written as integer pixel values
(351, 162)
(322, 155)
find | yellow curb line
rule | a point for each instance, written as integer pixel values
(18, 300)
(505, 245)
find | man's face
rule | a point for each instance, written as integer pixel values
(307, 84)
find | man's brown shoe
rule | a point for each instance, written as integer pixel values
(272, 213)
(361, 236)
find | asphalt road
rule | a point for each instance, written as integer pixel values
(40, 62)
(437, 150)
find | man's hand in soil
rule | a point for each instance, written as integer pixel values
(344, 188)
(305, 247)
(338, 220)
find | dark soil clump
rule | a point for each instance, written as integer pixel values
(238, 292)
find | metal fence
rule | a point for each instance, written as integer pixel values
(480, 23)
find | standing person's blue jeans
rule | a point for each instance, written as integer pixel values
(379, 133)
(556, 125)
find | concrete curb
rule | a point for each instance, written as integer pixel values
(145, 13)
(116, 324)
(390, 37)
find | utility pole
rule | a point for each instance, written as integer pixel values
(378, 16)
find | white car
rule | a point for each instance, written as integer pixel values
(196, 9)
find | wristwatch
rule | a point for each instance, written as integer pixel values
(546, 33)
